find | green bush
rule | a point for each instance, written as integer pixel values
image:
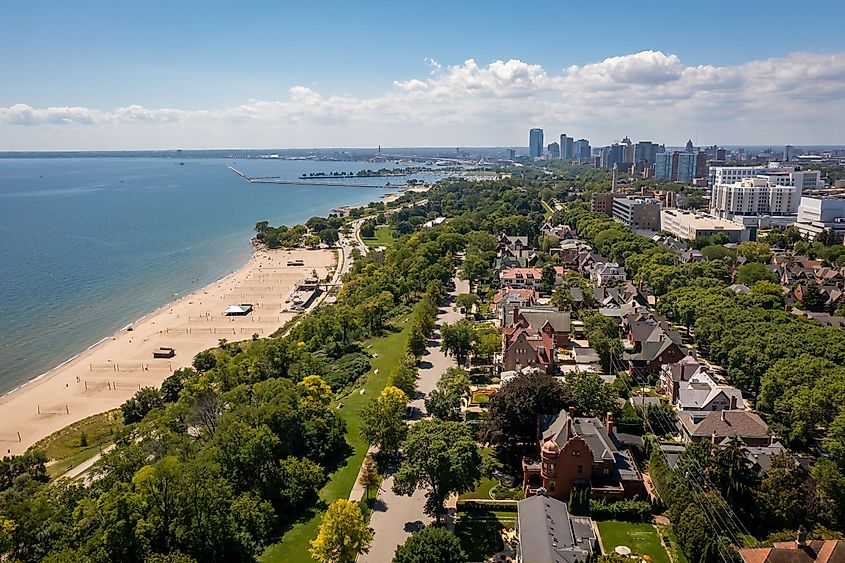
(628, 510)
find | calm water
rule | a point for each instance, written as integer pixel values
(89, 245)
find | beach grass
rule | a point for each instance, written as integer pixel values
(383, 237)
(388, 351)
(82, 440)
(642, 538)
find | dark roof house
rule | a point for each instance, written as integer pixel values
(547, 533)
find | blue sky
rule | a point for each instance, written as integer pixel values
(224, 74)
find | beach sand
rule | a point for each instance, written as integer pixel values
(105, 375)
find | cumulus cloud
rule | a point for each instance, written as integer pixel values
(794, 98)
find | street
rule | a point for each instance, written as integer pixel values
(396, 517)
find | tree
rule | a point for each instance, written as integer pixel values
(784, 493)
(457, 339)
(474, 269)
(404, 375)
(383, 420)
(368, 229)
(205, 361)
(431, 545)
(812, 298)
(441, 457)
(592, 396)
(442, 405)
(369, 475)
(343, 534)
(754, 251)
(144, 401)
(753, 272)
(467, 301)
(547, 280)
(511, 422)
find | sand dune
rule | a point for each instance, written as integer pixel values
(107, 374)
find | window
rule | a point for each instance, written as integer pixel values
(580, 469)
(576, 453)
(551, 486)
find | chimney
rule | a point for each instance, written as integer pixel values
(713, 438)
(569, 422)
(608, 423)
(732, 403)
(722, 416)
(801, 540)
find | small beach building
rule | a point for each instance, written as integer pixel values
(239, 310)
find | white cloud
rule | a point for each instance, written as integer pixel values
(795, 99)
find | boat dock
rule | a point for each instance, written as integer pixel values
(312, 182)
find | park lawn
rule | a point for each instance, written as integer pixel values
(479, 531)
(383, 237)
(294, 544)
(64, 447)
(642, 538)
(548, 210)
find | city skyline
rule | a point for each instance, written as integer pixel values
(105, 78)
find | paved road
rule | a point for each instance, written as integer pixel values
(396, 517)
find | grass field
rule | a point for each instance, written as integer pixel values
(294, 545)
(548, 210)
(641, 538)
(66, 448)
(383, 237)
(479, 531)
(671, 540)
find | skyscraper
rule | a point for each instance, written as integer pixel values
(535, 143)
(663, 166)
(567, 147)
(788, 153)
(689, 145)
(553, 150)
(583, 152)
(612, 155)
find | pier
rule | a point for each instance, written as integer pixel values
(312, 182)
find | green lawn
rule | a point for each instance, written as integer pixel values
(549, 211)
(482, 491)
(383, 237)
(479, 531)
(641, 538)
(293, 546)
(65, 448)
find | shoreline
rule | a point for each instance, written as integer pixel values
(192, 322)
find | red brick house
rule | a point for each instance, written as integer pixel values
(532, 337)
(582, 452)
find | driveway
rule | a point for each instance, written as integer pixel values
(396, 517)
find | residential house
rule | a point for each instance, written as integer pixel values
(547, 533)
(581, 452)
(650, 344)
(701, 393)
(511, 243)
(532, 338)
(520, 278)
(607, 273)
(507, 299)
(716, 426)
(562, 232)
(800, 551)
(672, 375)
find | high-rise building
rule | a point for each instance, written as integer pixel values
(820, 214)
(535, 143)
(511, 154)
(788, 153)
(612, 155)
(752, 191)
(663, 166)
(627, 151)
(645, 153)
(583, 152)
(567, 147)
(553, 150)
(700, 164)
(689, 147)
(686, 167)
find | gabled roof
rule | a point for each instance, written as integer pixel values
(814, 551)
(548, 534)
(739, 424)
(537, 317)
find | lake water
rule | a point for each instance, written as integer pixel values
(89, 245)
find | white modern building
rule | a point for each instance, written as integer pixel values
(690, 225)
(817, 214)
(759, 196)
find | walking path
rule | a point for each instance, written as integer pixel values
(396, 517)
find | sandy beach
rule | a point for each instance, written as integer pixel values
(105, 375)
